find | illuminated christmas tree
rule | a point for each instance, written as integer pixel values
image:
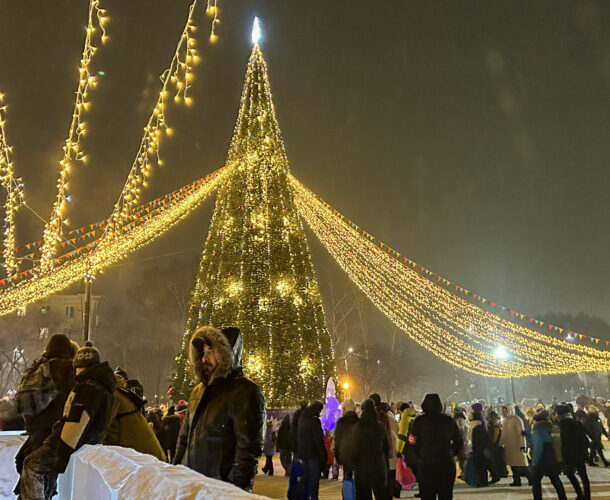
(255, 271)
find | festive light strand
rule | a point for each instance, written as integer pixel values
(14, 194)
(71, 267)
(178, 76)
(451, 327)
(72, 149)
(212, 10)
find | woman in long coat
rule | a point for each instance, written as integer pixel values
(370, 457)
(514, 445)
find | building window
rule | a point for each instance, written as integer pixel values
(69, 311)
(45, 309)
(21, 311)
(43, 333)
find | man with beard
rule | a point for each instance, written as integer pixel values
(222, 435)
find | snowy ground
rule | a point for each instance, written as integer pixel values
(276, 486)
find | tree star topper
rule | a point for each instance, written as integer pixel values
(256, 31)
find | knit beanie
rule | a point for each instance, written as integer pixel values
(86, 356)
(349, 405)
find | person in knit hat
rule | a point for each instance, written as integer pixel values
(84, 420)
(58, 353)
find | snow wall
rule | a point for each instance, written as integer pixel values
(115, 473)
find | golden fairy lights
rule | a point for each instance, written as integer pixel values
(73, 267)
(14, 194)
(453, 328)
(72, 148)
(176, 84)
(212, 10)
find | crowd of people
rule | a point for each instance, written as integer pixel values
(69, 397)
(439, 444)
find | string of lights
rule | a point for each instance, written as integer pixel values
(176, 80)
(153, 221)
(14, 194)
(72, 149)
(453, 328)
(212, 10)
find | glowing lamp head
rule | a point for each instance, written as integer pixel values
(350, 350)
(501, 353)
(256, 31)
(346, 385)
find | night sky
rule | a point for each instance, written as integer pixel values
(471, 136)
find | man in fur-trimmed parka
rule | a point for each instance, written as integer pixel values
(222, 435)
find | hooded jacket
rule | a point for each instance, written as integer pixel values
(127, 426)
(434, 438)
(371, 448)
(406, 417)
(345, 440)
(85, 414)
(310, 438)
(59, 353)
(222, 434)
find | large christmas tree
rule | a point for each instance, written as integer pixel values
(255, 271)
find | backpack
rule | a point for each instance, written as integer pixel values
(37, 388)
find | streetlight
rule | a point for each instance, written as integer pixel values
(503, 354)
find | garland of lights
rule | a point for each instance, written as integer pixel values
(72, 151)
(14, 195)
(180, 75)
(72, 267)
(451, 327)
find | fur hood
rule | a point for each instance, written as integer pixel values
(227, 347)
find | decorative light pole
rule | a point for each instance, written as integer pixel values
(502, 353)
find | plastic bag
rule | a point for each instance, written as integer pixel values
(404, 475)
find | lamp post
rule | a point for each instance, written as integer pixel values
(502, 353)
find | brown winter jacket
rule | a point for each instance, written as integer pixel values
(222, 435)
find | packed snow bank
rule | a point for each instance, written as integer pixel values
(112, 472)
(115, 473)
(10, 442)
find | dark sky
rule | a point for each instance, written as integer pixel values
(471, 136)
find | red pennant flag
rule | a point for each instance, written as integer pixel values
(493, 304)
(3, 282)
(531, 320)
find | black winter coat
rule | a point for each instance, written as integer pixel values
(370, 453)
(62, 372)
(574, 441)
(481, 443)
(294, 426)
(594, 427)
(310, 438)
(85, 414)
(283, 436)
(345, 439)
(222, 434)
(434, 439)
